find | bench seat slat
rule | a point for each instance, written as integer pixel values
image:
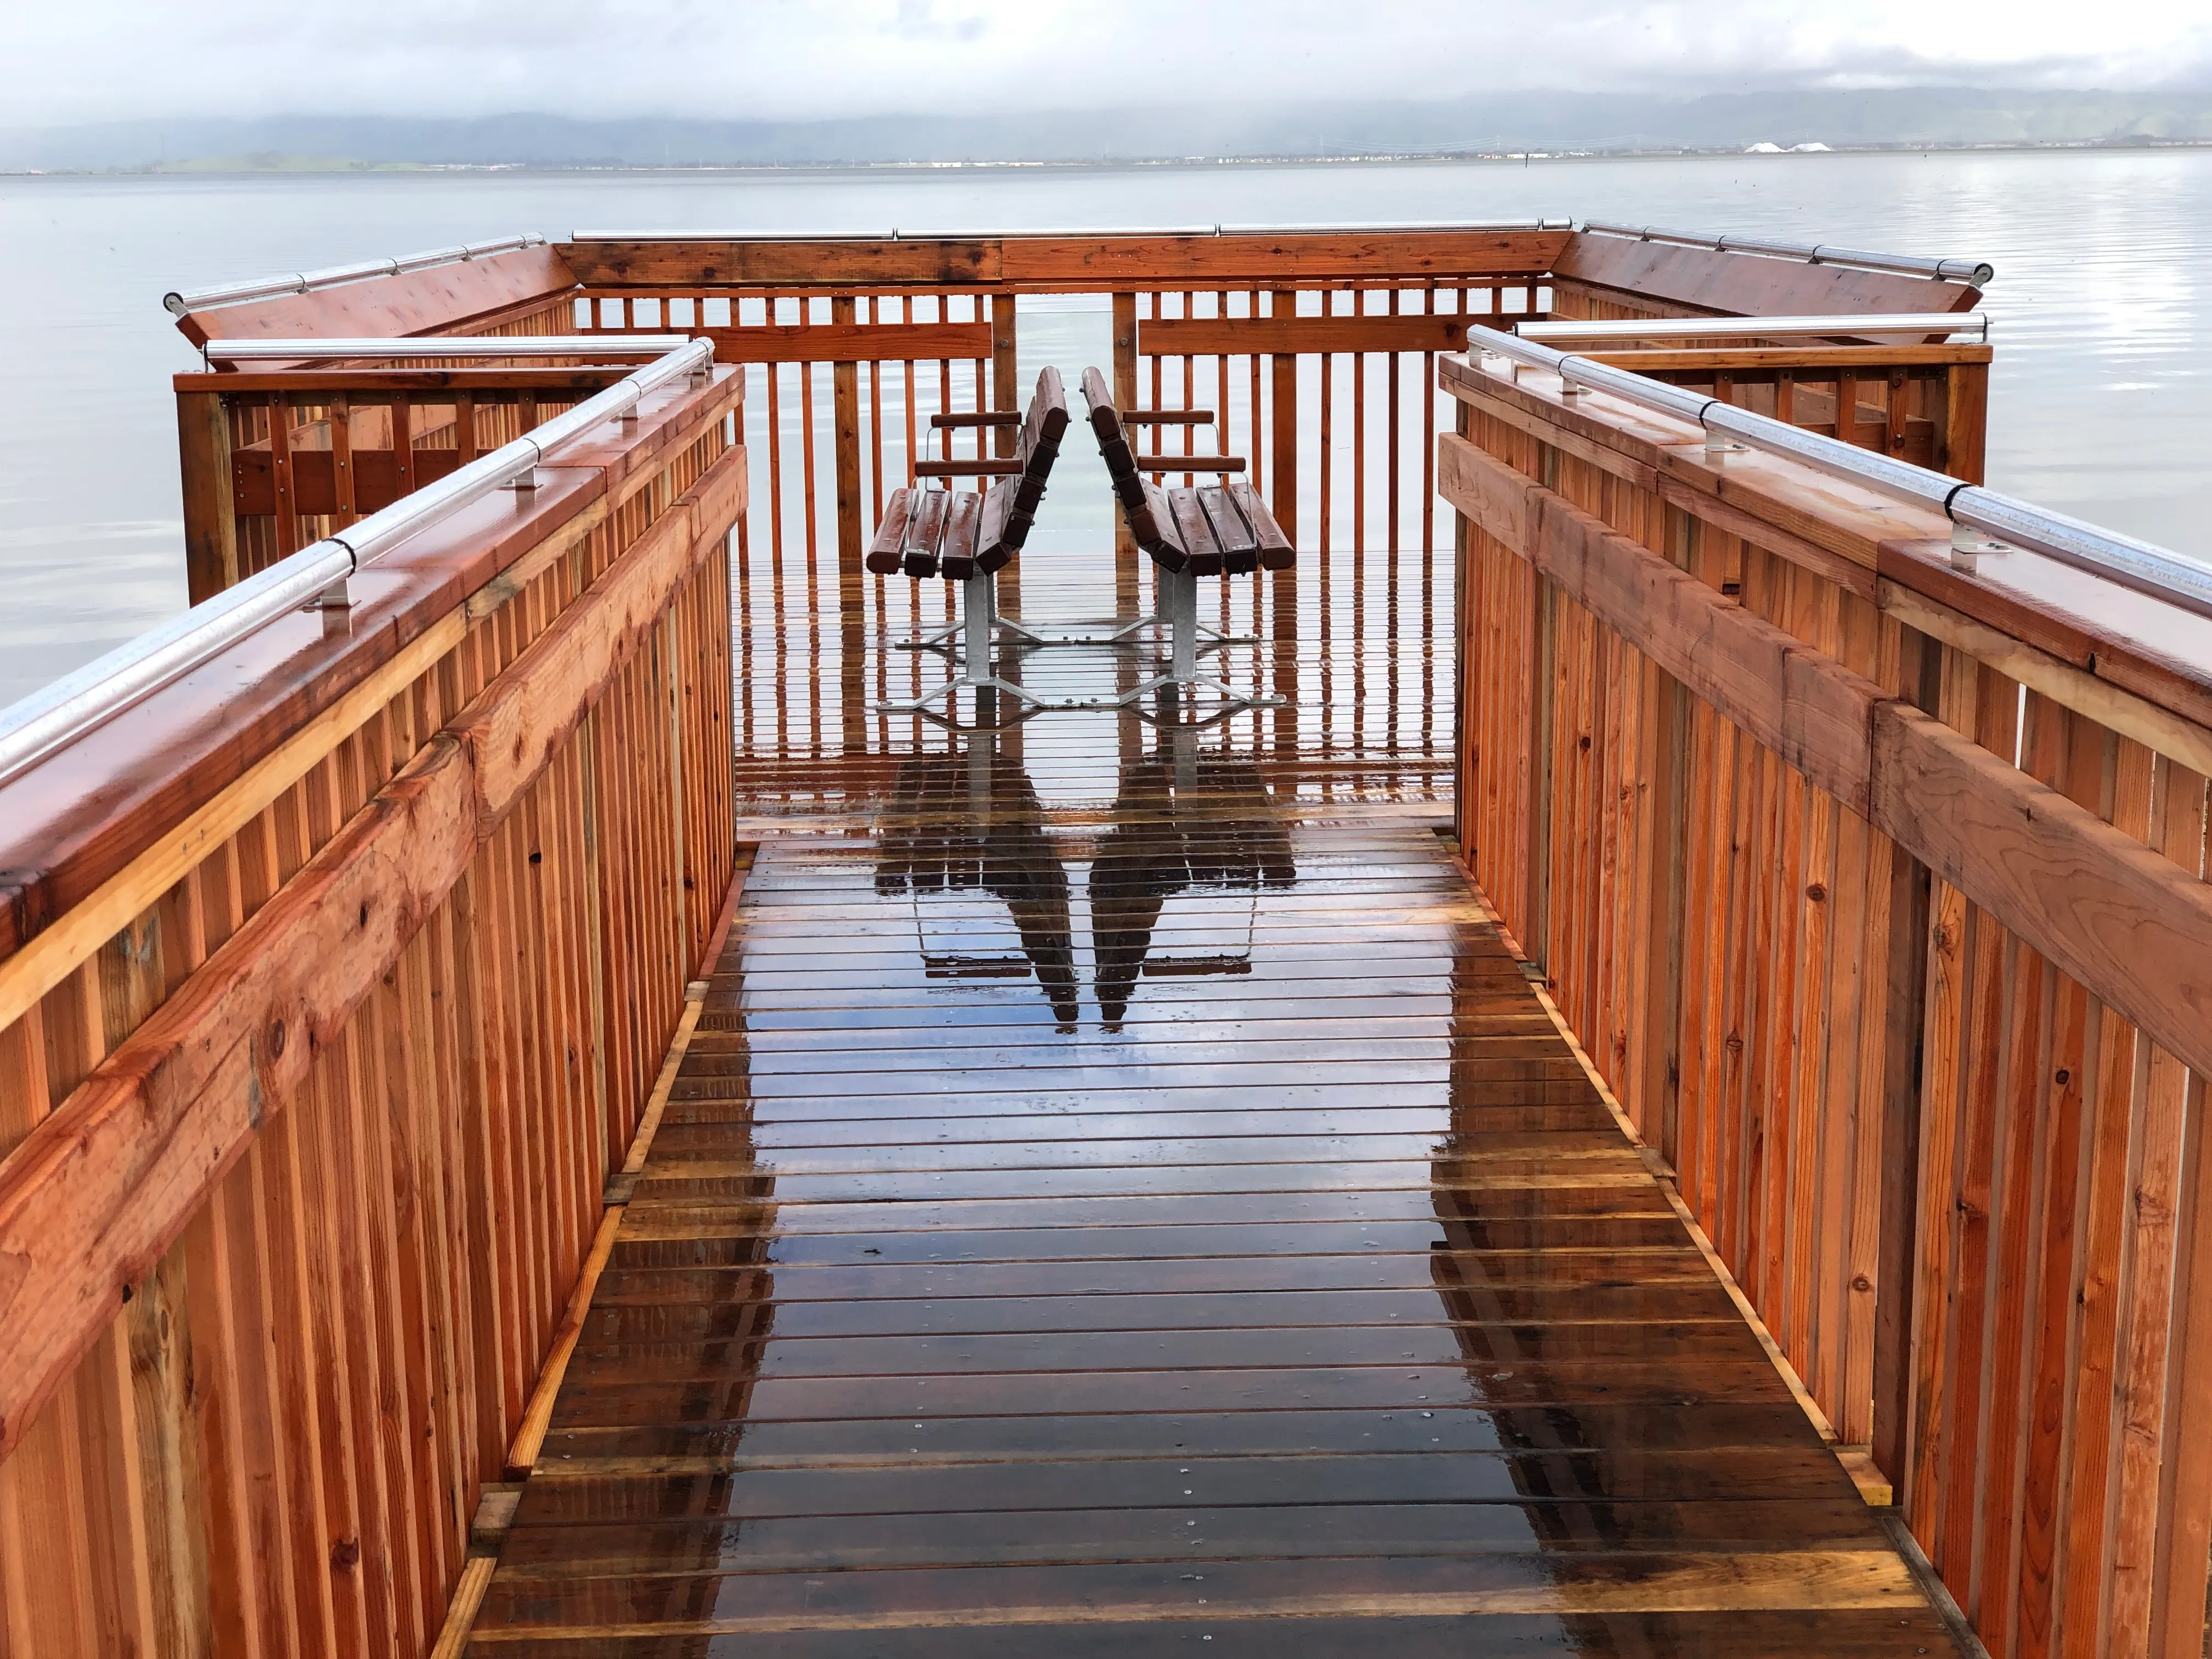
(885, 552)
(1226, 518)
(1195, 533)
(956, 558)
(955, 533)
(1276, 551)
(924, 529)
(998, 536)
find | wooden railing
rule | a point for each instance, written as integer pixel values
(1315, 352)
(333, 978)
(1876, 889)
(1315, 349)
(273, 460)
(333, 982)
(1928, 405)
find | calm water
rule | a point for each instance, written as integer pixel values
(2102, 406)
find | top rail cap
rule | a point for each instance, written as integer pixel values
(177, 304)
(1976, 323)
(2143, 566)
(49, 719)
(1415, 227)
(419, 347)
(1979, 273)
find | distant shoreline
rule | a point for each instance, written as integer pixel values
(291, 165)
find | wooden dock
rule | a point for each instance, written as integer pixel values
(1113, 1197)
(536, 1115)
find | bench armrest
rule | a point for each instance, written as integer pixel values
(990, 417)
(969, 469)
(1167, 417)
(1190, 463)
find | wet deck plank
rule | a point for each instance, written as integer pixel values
(991, 1292)
(1029, 1301)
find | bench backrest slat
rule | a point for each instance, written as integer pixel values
(1223, 528)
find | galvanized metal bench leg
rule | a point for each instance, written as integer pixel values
(979, 620)
(1210, 638)
(1179, 595)
(1001, 628)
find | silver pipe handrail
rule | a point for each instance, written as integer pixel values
(901, 235)
(1885, 324)
(417, 347)
(48, 720)
(306, 282)
(1355, 226)
(2140, 565)
(1978, 272)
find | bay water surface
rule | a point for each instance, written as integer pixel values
(2101, 404)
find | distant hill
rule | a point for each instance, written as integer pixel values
(1914, 118)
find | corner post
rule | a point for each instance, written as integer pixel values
(1126, 604)
(1283, 502)
(852, 533)
(1006, 441)
(1966, 420)
(1903, 1030)
(210, 526)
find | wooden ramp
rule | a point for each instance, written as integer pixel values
(1109, 1226)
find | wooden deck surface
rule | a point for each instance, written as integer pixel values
(1123, 1195)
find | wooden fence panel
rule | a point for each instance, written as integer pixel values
(1950, 1147)
(250, 1406)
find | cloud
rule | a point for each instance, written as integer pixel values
(799, 59)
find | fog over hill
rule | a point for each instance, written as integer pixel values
(1920, 117)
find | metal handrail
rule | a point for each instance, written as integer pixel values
(1979, 272)
(305, 282)
(419, 346)
(50, 719)
(2140, 565)
(1684, 328)
(897, 236)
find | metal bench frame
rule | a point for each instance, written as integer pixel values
(1153, 521)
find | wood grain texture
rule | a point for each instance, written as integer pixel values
(101, 1188)
(1741, 285)
(2122, 919)
(1933, 1015)
(418, 302)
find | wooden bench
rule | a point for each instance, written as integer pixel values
(968, 536)
(1216, 529)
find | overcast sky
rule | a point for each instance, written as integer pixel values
(64, 61)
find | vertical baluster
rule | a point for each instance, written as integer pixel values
(879, 593)
(1227, 439)
(403, 444)
(1124, 338)
(852, 533)
(342, 467)
(1324, 593)
(279, 469)
(946, 445)
(807, 464)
